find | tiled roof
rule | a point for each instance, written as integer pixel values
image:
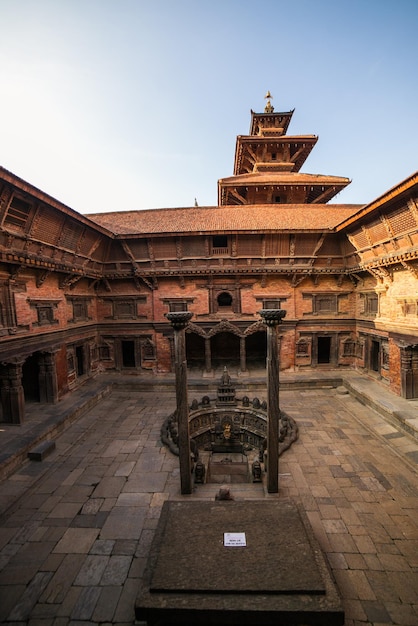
(247, 218)
(283, 178)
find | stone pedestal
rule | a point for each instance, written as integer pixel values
(278, 577)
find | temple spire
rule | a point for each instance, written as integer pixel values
(269, 108)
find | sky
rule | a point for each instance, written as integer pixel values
(112, 105)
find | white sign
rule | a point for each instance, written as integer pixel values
(235, 539)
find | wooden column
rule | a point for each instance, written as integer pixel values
(208, 355)
(48, 381)
(12, 393)
(242, 355)
(272, 318)
(179, 321)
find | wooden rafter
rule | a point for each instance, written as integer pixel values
(237, 196)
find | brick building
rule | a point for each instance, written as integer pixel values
(81, 294)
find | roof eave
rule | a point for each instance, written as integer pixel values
(403, 187)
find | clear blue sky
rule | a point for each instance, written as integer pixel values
(129, 104)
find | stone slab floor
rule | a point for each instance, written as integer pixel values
(77, 527)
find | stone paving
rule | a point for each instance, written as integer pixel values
(76, 528)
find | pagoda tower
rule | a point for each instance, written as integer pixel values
(268, 162)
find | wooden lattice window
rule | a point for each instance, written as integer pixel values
(402, 220)
(369, 303)
(349, 347)
(70, 235)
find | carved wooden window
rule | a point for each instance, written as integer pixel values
(124, 308)
(369, 303)
(409, 308)
(177, 306)
(93, 351)
(70, 362)
(349, 347)
(325, 304)
(302, 348)
(80, 308)
(44, 311)
(17, 214)
(271, 304)
(104, 353)
(360, 348)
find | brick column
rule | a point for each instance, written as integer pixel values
(179, 322)
(272, 318)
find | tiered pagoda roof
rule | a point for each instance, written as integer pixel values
(267, 166)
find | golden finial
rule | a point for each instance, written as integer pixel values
(269, 108)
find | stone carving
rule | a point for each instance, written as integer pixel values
(199, 472)
(256, 471)
(224, 494)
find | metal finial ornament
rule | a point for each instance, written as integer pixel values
(269, 108)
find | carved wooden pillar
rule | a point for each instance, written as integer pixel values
(179, 321)
(48, 381)
(272, 318)
(208, 355)
(415, 371)
(12, 394)
(409, 371)
(242, 354)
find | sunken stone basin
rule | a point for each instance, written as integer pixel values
(231, 426)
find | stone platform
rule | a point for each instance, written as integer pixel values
(278, 577)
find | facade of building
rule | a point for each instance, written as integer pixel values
(83, 294)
